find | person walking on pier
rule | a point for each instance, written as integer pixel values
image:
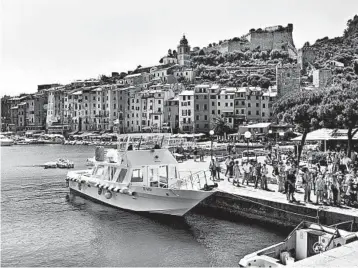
(319, 188)
(237, 174)
(247, 167)
(212, 168)
(227, 164)
(257, 174)
(218, 169)
(264, 172)
(335, 190)
(307, 181)
(281, 178)
(291, 180)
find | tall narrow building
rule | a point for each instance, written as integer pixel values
(184, 52)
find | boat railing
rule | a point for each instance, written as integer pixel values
(192, 181)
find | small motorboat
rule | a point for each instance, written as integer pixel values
(306, 240)
(4, 141)
(64, 163)
(50, 165)
(90, 162)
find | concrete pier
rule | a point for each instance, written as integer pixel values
(268, 206)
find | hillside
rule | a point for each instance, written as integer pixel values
(255, 67)
(342, 49)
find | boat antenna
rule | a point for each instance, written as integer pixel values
(140, 141)
(161, 144)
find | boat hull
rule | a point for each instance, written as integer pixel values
(144, 199)
(6, 143)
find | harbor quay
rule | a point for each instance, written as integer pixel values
(268, 207)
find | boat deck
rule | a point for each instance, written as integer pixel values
(344, 256)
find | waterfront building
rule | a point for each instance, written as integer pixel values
(201, 105)
(36, 112)
(186, 111)
(5, 113)
(225, 104)
(253, 96)
(55, 108)
(171, 113)
(240, 106)
(214, 90)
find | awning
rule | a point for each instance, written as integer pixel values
(73, 133)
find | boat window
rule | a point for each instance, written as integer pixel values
(122, 175)
(112, 172)
(99, 171)
(137, 175)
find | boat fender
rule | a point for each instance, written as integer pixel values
(79, 186)
(108, 186)
(130, 193)
(97, 184)
(121, 191)
(108, 194)
(113, 188)
(124, 191)
(116, 189)
(99, 191)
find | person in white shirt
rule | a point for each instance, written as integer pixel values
(247, 167)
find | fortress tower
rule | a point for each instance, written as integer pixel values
(269, 38)
(184, 52)
(306, 55)
(287, 78)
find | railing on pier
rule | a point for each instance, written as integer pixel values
(192, 181)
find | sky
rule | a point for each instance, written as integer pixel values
(59, 41)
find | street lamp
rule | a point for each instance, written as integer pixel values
(247, 135)
(211, 132)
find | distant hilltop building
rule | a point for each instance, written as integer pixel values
(269, 38)
(306, 56)
(181, 56)
(274, 37)
(322, 78)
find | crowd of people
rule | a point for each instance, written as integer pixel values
(334, 184)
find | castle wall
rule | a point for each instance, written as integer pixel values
(270, 40)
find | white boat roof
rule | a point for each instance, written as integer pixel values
(150, 158)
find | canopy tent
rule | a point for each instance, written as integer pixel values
(325, 134)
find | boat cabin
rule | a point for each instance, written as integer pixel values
(147, 168)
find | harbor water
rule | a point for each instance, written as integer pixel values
(41, 226)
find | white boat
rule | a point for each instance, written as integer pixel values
(50, 165)
(64, 163)
(5, 141)
(22, 142)
(141, 181)
(306, 240)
